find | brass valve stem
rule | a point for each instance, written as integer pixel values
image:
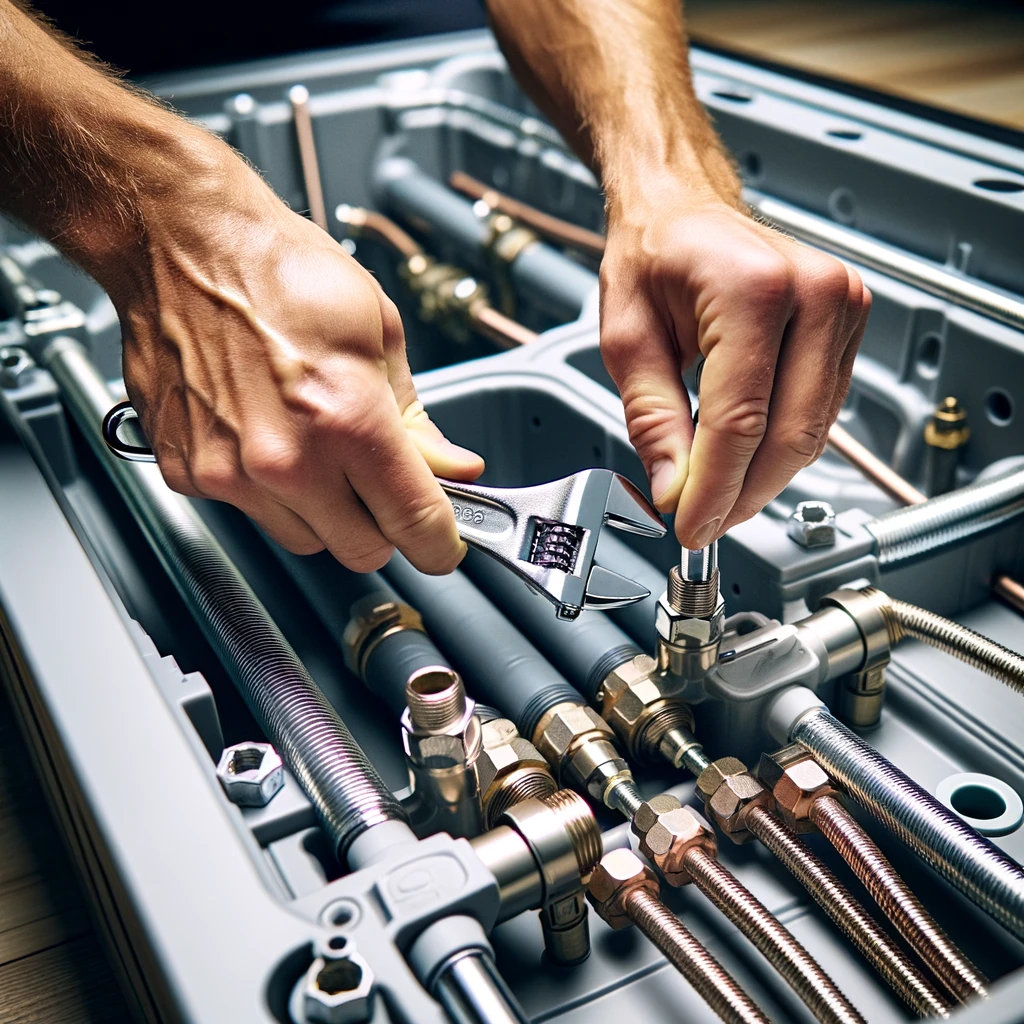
(788, 956)
(677, 944)
(888, 959)
(896, 901)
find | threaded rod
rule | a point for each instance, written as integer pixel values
(896, 901)
(796, 966)
(707, 976)
(852, 919)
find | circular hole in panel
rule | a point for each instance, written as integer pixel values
(847, 134)
(929, 356)
(999, 185)
(999, 407)
(12, 359)
(736, 589)
(986, 803)
(339, 914)
(338, 943)
(596, 452)
(842, 205)
(732, 95)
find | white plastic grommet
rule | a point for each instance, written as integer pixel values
(986, 803)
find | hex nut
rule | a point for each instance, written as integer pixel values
(563, 725)
(251, 773)
(729, 791)
(798, 787)
(813, 524)
(618, 874)
(339, 990)
(668, 832)
(685, 630)
(504, 752)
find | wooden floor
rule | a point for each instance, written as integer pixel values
(52, 969)
(965, 57)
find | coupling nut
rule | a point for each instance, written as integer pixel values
(509, 769)
(667, 832)
(371, 620)
(795, 780)
(620, 873)
(634, 703)
(580, 747)
(729, 792)
(947, 428)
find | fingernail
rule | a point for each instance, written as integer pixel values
(459, 452)
(707, 533)
(662, 473)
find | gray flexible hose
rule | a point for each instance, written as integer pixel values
(906, 534)
(979, 869)
(347, 794)
(903, 619)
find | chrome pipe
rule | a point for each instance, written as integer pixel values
(471, 990)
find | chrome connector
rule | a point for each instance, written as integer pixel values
(443, 740)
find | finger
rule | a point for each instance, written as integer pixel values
(645, 365)
(282, 524)
(806, 379)
(444, 458)
(741, 344)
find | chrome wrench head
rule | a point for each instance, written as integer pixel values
(548, 534)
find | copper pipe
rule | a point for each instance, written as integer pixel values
(896, 901)
(555, 228)
(888, 480)
(676, 942)
(796, 966)
(500, 328)
(901, 974)
(298, 96)
(379, 227)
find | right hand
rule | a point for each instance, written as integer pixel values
(269, 371)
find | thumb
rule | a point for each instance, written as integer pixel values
(444, 458)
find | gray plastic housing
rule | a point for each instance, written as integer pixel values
(90, 626)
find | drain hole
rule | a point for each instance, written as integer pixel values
(999, 185)
(999, 407)
(978, 802)
(929, 355)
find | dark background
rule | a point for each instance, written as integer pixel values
(144, 39)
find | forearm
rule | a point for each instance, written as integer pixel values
(614, 77)
(82, 157)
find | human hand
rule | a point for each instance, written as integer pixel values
(778, 324)
(269, 371)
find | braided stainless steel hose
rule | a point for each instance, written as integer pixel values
(788, 956)
(900, 973)
(707, 976)
(906, 534)
(896, 901)
(347, 793)
(980, 870)
(903, 620)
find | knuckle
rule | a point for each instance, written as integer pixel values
(391, 324)
(768, 278)
(365, 559)
(214, 476)
(272, 463)
(804, 441)
(301, 545)
(176, 476)
(650, 420)
(746, 420)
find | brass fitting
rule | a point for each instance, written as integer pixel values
(667, 831)
(689, 620)
(619, 873)
(580, 747)
(371, 620)
(651, 723)
(729, 792)
(796, 780)
(448, 295)
(509, 769)
(442, 739)
(504, 241)
(947, 427)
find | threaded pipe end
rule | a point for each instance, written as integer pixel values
(581, 825)
(436, 698)
(527, 783)
(884, 604)
(692, 598)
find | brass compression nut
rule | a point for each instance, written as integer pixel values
(729, 792)
(619, 873)
(509, 769)
(371, 619)
(580, 747)
(796, 780)
(635, 705)
(947, 428)
(667, 831)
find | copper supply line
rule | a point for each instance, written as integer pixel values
(771, 938)
(897, 902)
(298, 96)
(679, 946)
(902, 975)
(486, 320)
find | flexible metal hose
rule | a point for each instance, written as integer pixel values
(708, 977)
(956, 851)
(903, 620)
(901, 974)
(796, 966)
(896, 901)
(906, 534)
(347, 794)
